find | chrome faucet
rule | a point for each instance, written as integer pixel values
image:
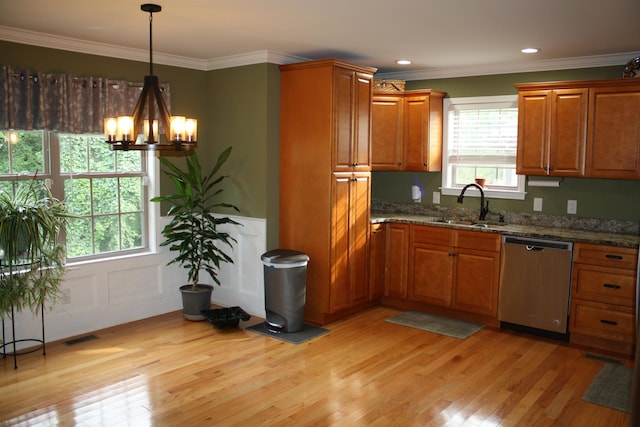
(484, 206)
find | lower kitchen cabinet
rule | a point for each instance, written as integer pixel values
(431, 274)
(604, 297)
(350, 241)
(476, 281)
(454, 268)
(376, 261)
(396, 260)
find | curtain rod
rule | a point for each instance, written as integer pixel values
(80, 80)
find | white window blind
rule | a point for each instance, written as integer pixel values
(481, 136)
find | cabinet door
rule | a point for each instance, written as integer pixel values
(396, 260)
(359, 224)
(352, 120)
(386, 132)
(476, 281)
(613, 140)
(533, 132)
(350, 240)
(552, 126)
(340, 292)
(362, 115)
(568, 135)
(376, 261)
(431, 274)
(423, 133)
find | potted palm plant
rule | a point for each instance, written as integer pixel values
(32, 259)
(193, 231)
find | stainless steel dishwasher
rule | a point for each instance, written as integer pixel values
(535, 284)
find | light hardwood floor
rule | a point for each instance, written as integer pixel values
(166, 371)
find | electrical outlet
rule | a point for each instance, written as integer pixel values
(436, 197)
(537, 204)
(572, 206)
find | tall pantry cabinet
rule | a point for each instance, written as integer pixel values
(325, 180)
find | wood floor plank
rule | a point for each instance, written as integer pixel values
(167, 371)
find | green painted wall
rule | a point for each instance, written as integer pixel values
(244, 112)
(597, 198)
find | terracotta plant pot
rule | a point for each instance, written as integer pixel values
(480, 182)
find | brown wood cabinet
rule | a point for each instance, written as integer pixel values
(454, 268)
(407, 131)
(613, 138)
(325, 110)
(350, 235)
(584, 129)
(387, 117)
(396, 260)
(376, 260)
(352, 120)
(603, 297)
(552, 127)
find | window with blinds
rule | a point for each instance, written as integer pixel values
(480, 142)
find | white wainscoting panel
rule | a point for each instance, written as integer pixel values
(134, 284)
(121, 290)
(242, 282)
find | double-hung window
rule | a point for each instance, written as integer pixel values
(480, 141)
(104, 189)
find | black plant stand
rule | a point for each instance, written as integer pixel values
(15, 353)
(14, 341)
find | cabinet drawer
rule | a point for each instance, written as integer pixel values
(604, 284)
(432, 235)
(478, 240)
(614, 323)
(611, 256)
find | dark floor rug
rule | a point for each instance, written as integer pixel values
(611, 387)
(307, 333)
(440, 325)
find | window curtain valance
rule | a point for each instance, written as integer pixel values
(64, 103)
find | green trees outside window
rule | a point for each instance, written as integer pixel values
(104, 189)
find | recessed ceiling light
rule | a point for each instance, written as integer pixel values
(403, 62)
(530, 50)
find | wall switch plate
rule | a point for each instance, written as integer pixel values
(537, 204)
(572, 206)
(436, 197)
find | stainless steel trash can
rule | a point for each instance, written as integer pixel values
(285, 289)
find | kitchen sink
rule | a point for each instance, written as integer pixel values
(454, 222)
(478, 224)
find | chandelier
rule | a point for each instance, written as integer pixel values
(122, 133)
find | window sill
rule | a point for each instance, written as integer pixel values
(492, 194)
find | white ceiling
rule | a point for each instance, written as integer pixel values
(442, 37)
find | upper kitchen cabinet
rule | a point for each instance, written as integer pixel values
(613, 138)
(580, 129)
(352, 115)
(552, 127)
(407, 131)
(387, 121)
(335, 97)
(325, 182)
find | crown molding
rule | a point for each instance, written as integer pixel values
(513, 67)
(33, 38)
(17, 35)
(250, 58)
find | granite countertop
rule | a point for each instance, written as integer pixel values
(560, 233)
